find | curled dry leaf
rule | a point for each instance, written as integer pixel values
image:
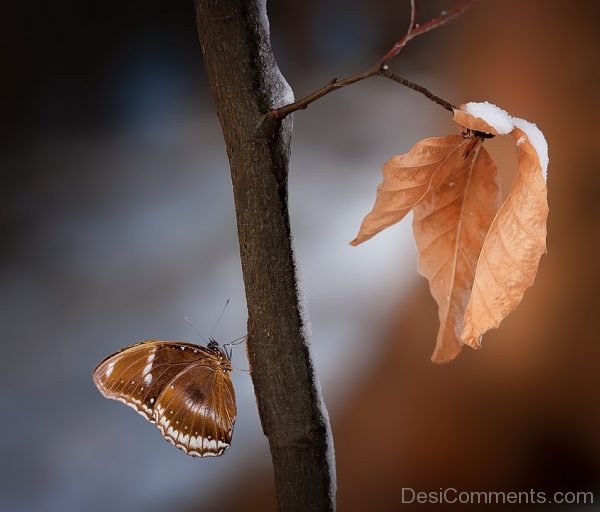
(407, 179)
(479, 259)
(512, 249)
(450, 225)
(473, 123)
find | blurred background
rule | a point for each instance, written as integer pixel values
(117, 221)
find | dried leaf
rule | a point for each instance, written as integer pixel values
(466, 120)
(407, 179)
(512, 249)
(479, 259)
(450, 226)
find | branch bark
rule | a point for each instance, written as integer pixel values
(246, 82)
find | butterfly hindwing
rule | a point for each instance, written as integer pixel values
(156, 377)
(196, 412)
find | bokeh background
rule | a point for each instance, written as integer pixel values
(117, 221)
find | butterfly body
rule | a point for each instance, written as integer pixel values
(184, 389)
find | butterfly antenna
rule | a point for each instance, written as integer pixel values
(186, 318)
(219, 319)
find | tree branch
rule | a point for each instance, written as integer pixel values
(417, 30)
(416, 87)
(332, 85)
(335, 84)
(380, 68)
(245, 82)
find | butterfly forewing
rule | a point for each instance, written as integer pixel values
(184, 388)
(136, 375)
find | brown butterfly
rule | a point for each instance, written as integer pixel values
(185, 389)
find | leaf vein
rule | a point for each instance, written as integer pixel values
(437, 237)
(439, 209)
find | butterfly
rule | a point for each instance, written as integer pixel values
(184, 389)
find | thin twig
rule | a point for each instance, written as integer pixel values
(418, 30)
(413, 16)
(332, 85)
(335, 84)
(416, 87)
(380, 68)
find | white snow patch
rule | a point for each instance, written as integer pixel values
(302, 299)
(282, 91)
(285, 94)
(492, 115)
(330, 446)
(538, 141)
(307, 334)
(504, 123)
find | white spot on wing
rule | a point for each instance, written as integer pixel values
(149, 362)
(110, 369)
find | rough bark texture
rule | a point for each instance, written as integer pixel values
(246, 83)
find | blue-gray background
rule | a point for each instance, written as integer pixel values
(118, 221)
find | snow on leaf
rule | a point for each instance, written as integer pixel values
(450, 225)
(407, 179)
(466, 120)
(535, 136)
(491, 118)
(512, 249)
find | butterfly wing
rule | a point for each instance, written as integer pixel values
(138, 374)
(155, 377)
(196, 412)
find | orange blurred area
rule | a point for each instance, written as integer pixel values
(523, 412)
(118, 221)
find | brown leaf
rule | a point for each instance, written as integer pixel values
(407, 179)
(512, 249)
(466, 120)
(450, 225)
(479, 259)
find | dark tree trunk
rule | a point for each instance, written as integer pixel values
(246, 83)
